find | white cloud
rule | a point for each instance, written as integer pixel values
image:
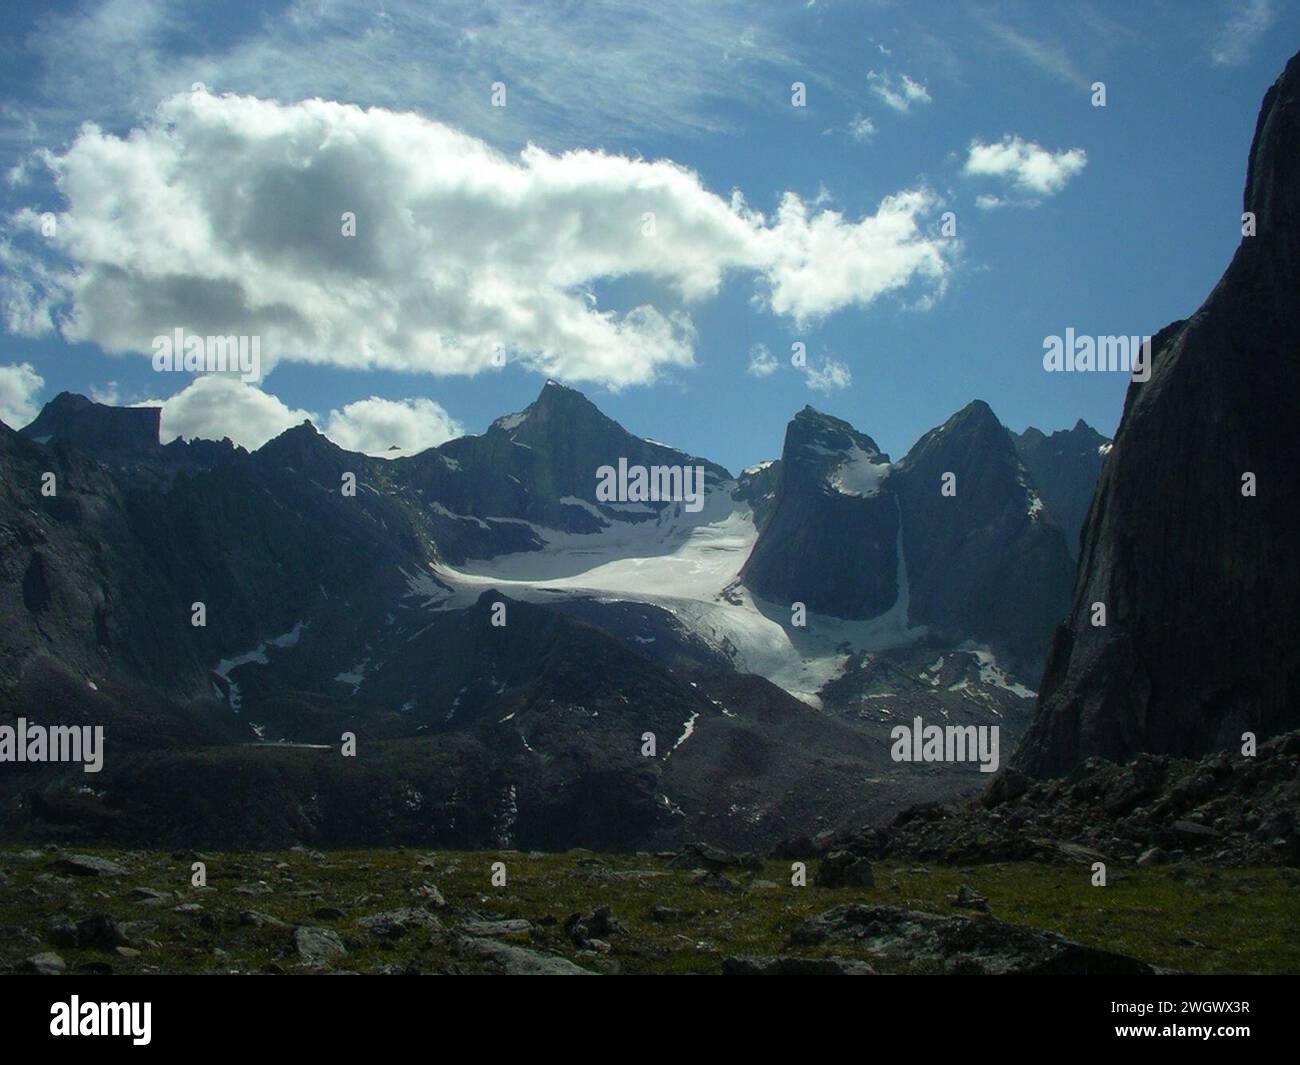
(374, 425)
(216, 406)
(821, 263)
(900, 93)
(107, 395)
(761, 361)
(222, 215)
(986, 202)
(861, 128)
(830, 376)
(20, 384)
(1249, 21)
(1029, 167)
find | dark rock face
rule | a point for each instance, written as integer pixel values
(536, 466)
(94, 427)
(1200, 582)
(831, 538)
(1064, 467)
(986, 563)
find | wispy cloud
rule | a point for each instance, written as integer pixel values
(829, 375)
(1249, 21)
(862, 128)
(1048, 56)
(608, 71)
(900, 93)
(762, 363)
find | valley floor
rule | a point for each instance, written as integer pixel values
(402, 910)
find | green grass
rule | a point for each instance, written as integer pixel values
(1195, 919)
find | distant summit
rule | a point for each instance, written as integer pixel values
(95, 427)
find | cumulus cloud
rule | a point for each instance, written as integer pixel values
(224, 215)
(820, 263)
(761, 361)
(373, 426)
(20, 384)
(1248, 22)
(217, 406)
(1028, 167)
(901, 93)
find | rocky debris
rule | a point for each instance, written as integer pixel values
(89, 865)
(430, 896)
(967, 898)
(713, 859)
(982, 945)
(101, 932)
(148, 896)
(393, 924)
(510, 960)
(790, 965)
(1224, 809)
(257, 919)
(1153, 856)
(586, 930)
(666, 915)
(494, 926)
(715, 882)
(844, 869)
(98, 931)
(318, 946)
(61, 930)
(47, 964)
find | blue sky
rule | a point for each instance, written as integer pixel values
(217, 210)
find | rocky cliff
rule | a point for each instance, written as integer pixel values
(1190, 545)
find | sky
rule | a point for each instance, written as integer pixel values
(703, 215)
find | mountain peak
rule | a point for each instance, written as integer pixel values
(821, 434)
(72, 418)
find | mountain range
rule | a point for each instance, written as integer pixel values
(500, 639)
(517, 659)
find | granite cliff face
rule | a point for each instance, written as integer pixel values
(988, 560)
(985, 562)
(831, 538)
(1198, 573)
(1064, 468)
(96, 427)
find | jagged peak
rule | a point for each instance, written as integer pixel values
(302, 436)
